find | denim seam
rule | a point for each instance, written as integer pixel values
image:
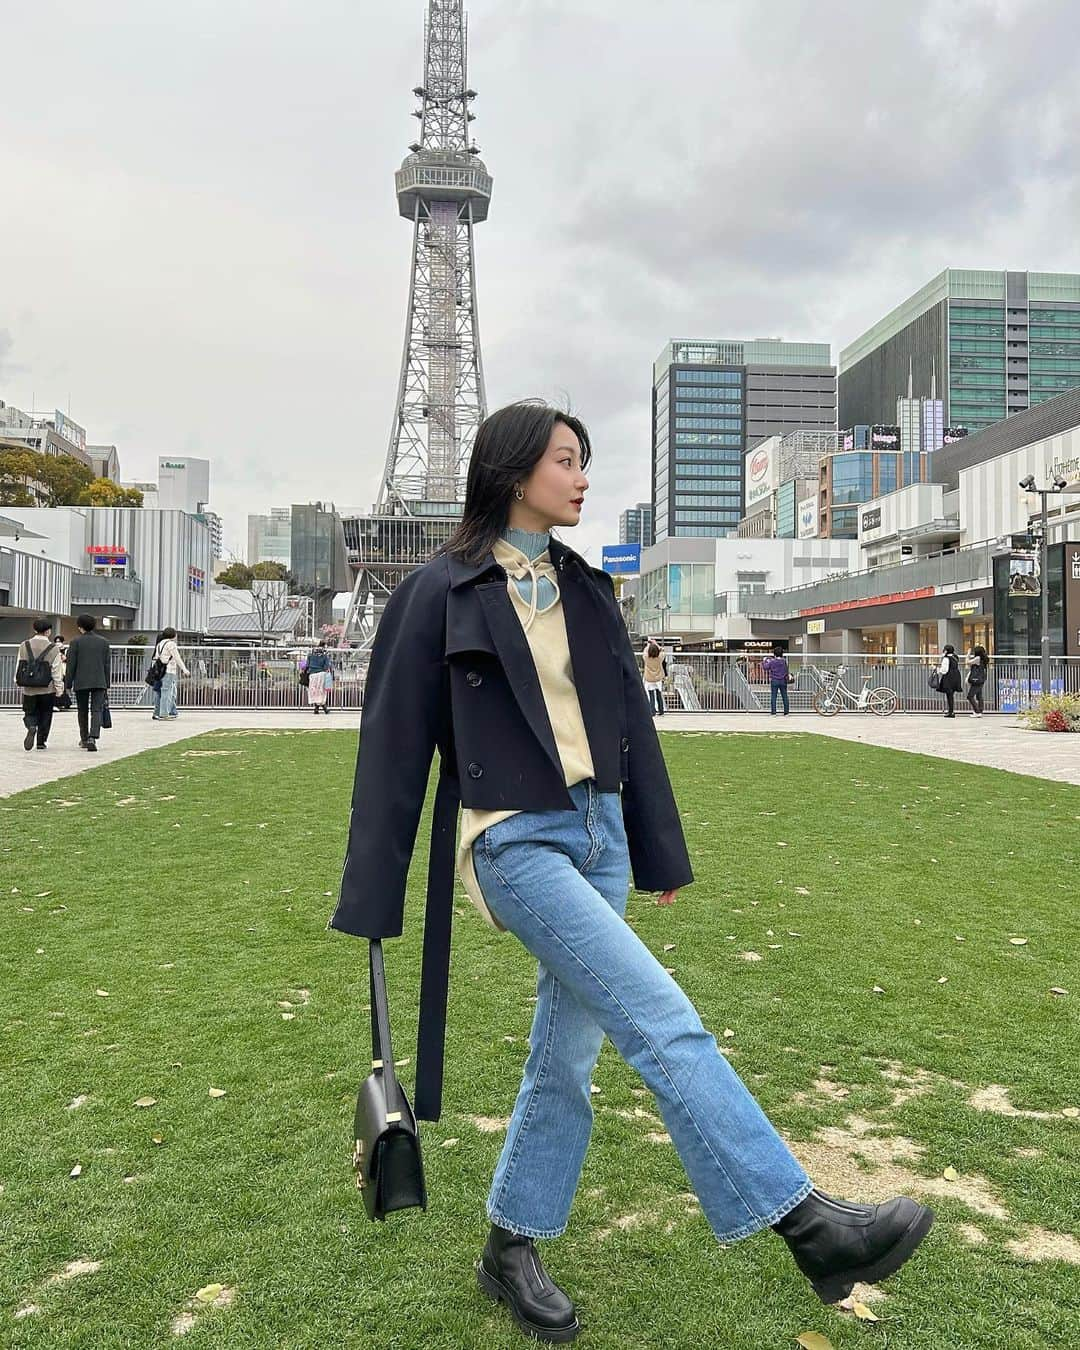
(595, 842)
(541, 1074)
(652, 1050)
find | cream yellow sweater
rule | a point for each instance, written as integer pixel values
(545, 630)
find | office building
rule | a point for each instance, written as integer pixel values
(871, 465)
(636, 525)
(55, 435)
(183, 483)
(105, 462)
(212, 521)
(999, 343)
(269, 537)
(714, 400)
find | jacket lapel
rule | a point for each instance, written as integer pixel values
(589, 642)
(516, 659)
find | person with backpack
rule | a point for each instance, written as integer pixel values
(949, 680)
(776, 667)
(655, 668)
(978, 664)
(165, 670)
(39, 675)
(88, 661)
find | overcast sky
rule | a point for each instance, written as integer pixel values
(202, 252)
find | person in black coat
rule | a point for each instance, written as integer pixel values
(951, 679)
(88, 662)
(452, 668)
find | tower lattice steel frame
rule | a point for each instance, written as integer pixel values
(444, 188)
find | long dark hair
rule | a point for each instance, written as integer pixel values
(980, 652)
(509, 444)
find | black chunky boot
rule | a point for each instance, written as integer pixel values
(510, 1271)
(836, 1243)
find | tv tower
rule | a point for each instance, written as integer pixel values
(444, 188)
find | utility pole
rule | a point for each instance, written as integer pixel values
(1059, 486)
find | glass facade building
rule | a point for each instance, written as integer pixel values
(998, 343)
(710, 402)
(851, 477)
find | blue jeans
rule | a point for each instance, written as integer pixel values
(559, 880)
(780, 689)
(165, 697)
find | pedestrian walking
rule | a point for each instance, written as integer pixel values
(87, 672)
(320, 677)
(653, 672)
(978, 664)
(949, 680)
(171, 668)
(508, 652)
(39, 676)
(776, 668)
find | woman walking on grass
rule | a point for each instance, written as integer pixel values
(508, 652)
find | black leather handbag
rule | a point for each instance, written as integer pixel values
(386, 1154)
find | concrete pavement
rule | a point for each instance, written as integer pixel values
(994, 741)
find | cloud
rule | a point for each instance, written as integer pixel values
(212, 254)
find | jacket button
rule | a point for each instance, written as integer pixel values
(624, 745)
(475, 770)
(474, 677)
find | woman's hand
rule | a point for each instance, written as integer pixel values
(667, 897)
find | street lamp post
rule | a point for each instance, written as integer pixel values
(1060, 485)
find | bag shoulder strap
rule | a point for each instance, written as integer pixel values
(382, 1052)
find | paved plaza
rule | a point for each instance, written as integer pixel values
(996, 742)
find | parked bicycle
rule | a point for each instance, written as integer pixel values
(834, 695)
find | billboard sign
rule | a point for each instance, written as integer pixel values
(762, 466)
(871, 520)
(71, 431)
(621, 559)
(1024, 575)
(815, 625)
(808, 518)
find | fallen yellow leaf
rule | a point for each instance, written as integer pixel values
(814, 1340)
(862, 1312)
(209, 1292)
(217, 1092)
(951, 1174)
(146, 1101)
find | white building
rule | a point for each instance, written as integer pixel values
(134, 569)
(183, 483)
(695, 589)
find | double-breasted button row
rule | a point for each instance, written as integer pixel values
(475, 770)
(474, 678)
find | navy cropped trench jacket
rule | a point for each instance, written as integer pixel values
(451, 669)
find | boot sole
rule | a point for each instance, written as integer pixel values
(832, 1288)
(496, 1290)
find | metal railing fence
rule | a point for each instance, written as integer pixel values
(268, 678)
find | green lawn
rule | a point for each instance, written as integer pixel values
(193, 884)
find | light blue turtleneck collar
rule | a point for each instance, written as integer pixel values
(532, 543)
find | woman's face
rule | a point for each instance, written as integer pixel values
(554, 488)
